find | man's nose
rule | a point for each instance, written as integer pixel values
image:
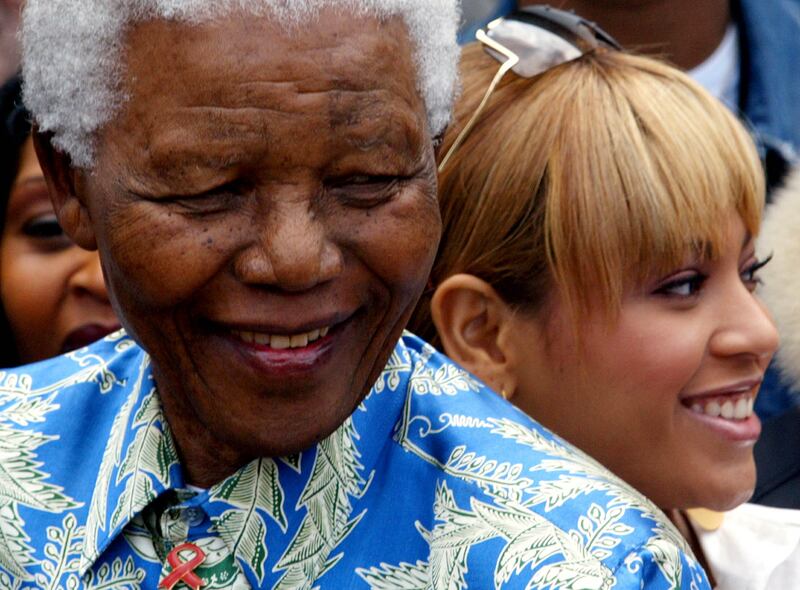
(291, 250)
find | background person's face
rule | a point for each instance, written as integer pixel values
(644, 396)
(52, 290)
(265, 210)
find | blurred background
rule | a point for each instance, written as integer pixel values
(9, 48)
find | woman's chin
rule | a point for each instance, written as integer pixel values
(731, 501)
(723, 496)
(726, 490)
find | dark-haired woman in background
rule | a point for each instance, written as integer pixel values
(52, 295)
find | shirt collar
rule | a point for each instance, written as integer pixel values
(140, 461)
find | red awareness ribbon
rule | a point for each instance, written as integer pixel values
(184, 570)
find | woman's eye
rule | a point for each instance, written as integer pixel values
(687, 285)
(44, 227)
(750, 273)
(45, 234)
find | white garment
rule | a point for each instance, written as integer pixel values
(719, 74)
(755, 548)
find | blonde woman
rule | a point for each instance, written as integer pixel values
(598, 264)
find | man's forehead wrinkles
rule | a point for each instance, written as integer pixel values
(231, 115)
(349, 104)
(294, 65)
(245, 88)
(297, 101)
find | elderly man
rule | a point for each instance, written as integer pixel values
(259, 179)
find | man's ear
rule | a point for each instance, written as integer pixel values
(474, 325)
(66, 187)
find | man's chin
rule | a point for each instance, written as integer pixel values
(282, 437)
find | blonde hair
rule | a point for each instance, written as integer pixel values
(590, 178)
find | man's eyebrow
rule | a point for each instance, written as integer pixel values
(192, 158)
(399, 133)
(165, 173)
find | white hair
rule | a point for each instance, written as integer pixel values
(72, 54)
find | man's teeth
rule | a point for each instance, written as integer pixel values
(731, 408)
(282, 341)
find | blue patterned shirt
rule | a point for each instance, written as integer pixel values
(434, 482)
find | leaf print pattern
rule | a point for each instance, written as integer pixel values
(556, 493)
(119, 575)
(603, 530)
(391, 377)
(444, 488)
(501, 479)
(244, 528)
(152, 454)
(15, 552)
(530, 538)
(558, 558)
(22, 482)
(60, 565)
(573, 461)
(666, 557)
(27, 411)
(111, 459)
(402, 577)
(335, 478)
(62, 555)
(446, 380)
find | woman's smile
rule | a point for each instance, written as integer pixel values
(728, 410)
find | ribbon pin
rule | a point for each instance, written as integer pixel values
(183, 570)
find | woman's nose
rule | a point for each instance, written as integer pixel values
(88, 277)
(748, 328)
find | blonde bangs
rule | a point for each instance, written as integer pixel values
(588, 180)
(646, 167)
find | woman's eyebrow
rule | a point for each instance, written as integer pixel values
(28, 197)
(28, 181)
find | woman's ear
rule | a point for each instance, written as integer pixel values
(474, 325)
(64, 183)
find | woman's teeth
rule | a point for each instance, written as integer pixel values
(738, 407)
(281, 341)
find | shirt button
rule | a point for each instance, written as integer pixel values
(193, 516)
